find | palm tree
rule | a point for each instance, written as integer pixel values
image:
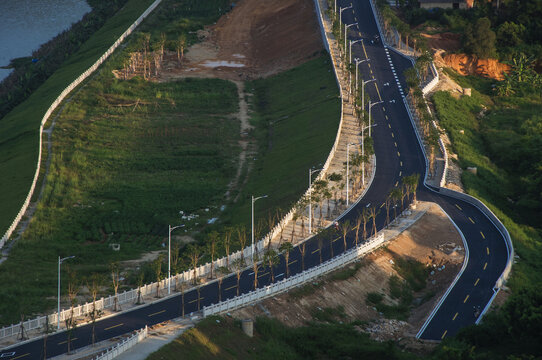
(345, 228)
(285, 248)
(373, 212)
(180, 44)
(238, 265)
(411, 183)
(396, 195)
(271, 259)
(228, 231)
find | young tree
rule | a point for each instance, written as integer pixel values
(238, 266)
(182, 287)
(365, 217)
(139, 285)
(242, 237)
(220, 273)
(93, 285)
(114, 267)
(228, 231)
(303, 250)
(194, 255)
(256, 269)
(212, 240)
(345, 228)
(73, 289)
(157, 267)
(373, 211)
(271, 259)
(285, 249)
(180, 45)
(359, 221)
(395, 195)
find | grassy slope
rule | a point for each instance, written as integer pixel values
(296, 114)
(221, 338)
(19, 129)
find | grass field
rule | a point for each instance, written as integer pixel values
(295, 129)
(222, 338)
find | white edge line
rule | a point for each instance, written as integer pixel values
(465, 262)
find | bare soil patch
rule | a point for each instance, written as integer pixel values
(443, 253)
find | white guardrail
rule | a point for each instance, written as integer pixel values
(131, 296)
(57, 102)
(295, 280)
(124, 345)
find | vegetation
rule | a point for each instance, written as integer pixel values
(498, 131)
(222, 338)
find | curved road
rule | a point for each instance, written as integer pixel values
(398, 154)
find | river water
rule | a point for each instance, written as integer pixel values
(26, 24)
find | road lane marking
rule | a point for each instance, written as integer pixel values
(464, 301)
(193, 301)
(263, 274)
(476, 282)
(481, 233)
(290, 263)
(400, 163)
(369, 64)
(455, 316)
(395, 144)
(487, 250)
(20, 356)
(156, 313)
(472, 221)
(443, 335)
(389, 126)
(392, 135)
(485, 265)
(114, 326)
(66, 341)
(381, 206)
(459, 207)
(396, 183)
(316, 251)
(378, 91)
(383, 109)
(398, 154)
(386, 117)
(279, 275)
(400, 173)
(231, 287)
(364, 51)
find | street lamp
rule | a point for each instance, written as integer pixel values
(363, 150)
(363, 94)
(60, 261)
(370, 106)
(170, 229)
(358, 61)
(310, 197)
(345, 35)
(351, 43)
(341, 16)
(252, 233)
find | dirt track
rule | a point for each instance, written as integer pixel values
(256, 39)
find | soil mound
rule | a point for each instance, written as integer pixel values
(471, 65)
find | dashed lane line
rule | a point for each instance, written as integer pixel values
(114, 326)
(443, 335)
(476, 282)
(455, 316)
(481, 233)
(459, 207)
(464, 301)
(487, 250)
(472, 221)
(485, 266)
(66, 341)
(156, 313)
(231, 287)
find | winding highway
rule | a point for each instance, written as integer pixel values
(398, 154)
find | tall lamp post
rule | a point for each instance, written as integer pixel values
(252, 232)
(363, 83)
(60, 261)
(341, 17)
(370, 106)
(352, 42)
(311, 171)
(363, 151)
(345, 36)
(358, 61)
(170, 229)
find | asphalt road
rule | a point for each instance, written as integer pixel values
(398, 154)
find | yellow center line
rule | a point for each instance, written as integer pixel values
(364, 51)
(400, 173)
(481, 233)
(386, 117)
(398, 154)
(290, 263)
(263, 274)
(114, 326)
(392, 135)
(459, 207)
(316, 251)
(231, 287)
(395, 144)
(20, 356)
(443, 335)
(369, 64)
(355, 18)
(485, 265)
(377, 91)
(396, 183)
(472, 221)
(381, 206)
(389, 126)
(383, 108)
(190, 302)
(156, 313)
(455, 316)
(401, 163)
(359, 33)
(331, 241)
(476, 282)
(464, 301)
(66, 341)
(487, 250)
